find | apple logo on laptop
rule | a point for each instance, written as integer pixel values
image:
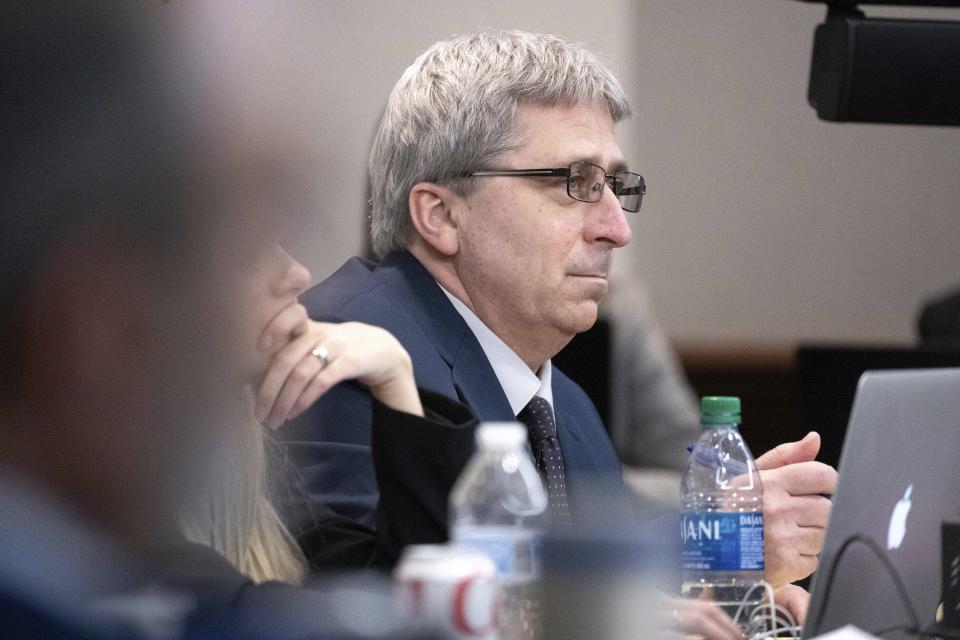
(898, 520)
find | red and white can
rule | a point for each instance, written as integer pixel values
(451, 588)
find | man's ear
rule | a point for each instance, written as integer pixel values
(432, 211)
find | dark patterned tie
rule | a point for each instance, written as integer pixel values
(542, 431)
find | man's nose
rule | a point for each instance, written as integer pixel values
(607, 221)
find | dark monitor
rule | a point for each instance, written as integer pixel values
(828, 376)
(904, 3)
(587, 361)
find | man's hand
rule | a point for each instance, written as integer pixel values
(795, 599)
(706, 619)
(295, 378)
(695, 618)
(795, 513)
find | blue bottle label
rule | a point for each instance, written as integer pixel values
(721, 541)
(515, 552)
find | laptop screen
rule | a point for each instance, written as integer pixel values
(899, 480)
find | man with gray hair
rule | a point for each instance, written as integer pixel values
(499, 193)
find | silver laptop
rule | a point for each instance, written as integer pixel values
(899, 480)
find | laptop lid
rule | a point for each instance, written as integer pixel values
(899, 479)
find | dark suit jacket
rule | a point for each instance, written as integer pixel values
(331, 446)
(417, 461)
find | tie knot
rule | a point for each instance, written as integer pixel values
(538, 416)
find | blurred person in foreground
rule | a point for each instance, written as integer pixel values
(499, 192)
(113, 353)
(139, 202)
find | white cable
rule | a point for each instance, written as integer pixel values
(779, 632)
(768, 618)
(782, 622)
(746, 600)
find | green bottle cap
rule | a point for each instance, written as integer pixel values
(717, 410)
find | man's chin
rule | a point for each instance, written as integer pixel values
(586, 293)
(583, 316)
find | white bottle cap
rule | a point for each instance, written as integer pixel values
(501, 435)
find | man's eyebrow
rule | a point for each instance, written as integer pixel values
(619, 165)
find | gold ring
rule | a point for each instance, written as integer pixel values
(321, 353)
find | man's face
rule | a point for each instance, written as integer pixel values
(533, 261)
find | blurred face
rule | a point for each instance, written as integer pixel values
(140, 389)
(533, 261)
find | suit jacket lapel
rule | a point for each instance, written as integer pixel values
(470, 371)
(572, 438)
(477, 384)
(594, 484)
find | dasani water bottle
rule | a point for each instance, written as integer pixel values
(722, 514)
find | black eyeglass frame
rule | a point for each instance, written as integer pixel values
(567, 172)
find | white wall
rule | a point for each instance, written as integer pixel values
(764, 222)
(761, 221)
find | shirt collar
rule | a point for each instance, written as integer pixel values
(519, 383)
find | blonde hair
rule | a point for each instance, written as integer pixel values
(239, 520)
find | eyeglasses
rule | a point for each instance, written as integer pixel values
(585, 182)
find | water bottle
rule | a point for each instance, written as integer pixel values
(722, 515)
(497, 507)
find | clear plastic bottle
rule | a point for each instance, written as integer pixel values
(722, 518)
(497, 507)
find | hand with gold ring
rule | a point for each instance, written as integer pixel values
(309, 357)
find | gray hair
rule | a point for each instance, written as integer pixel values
(454, 111)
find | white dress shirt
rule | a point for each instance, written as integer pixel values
(519, 383)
